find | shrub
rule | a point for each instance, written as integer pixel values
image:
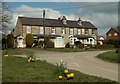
(77, 44)
(29, 40)
(67, 45)
(10, 41)
(49, 44)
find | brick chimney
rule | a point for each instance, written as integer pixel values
(64, 20)
(79, 21)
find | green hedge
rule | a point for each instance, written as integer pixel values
(29, 40)
(10, 40)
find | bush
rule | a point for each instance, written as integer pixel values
(49, 44)
(29, 40)
(67, 45)
(10, 40)
(77, 44)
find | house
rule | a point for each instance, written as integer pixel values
(61, 31)
(100, 40)
(113, 34)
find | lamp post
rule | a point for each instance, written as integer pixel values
(44, 28)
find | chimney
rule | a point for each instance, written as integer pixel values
(64, 20)
(79, 21)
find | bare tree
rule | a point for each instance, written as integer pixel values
(5, 16)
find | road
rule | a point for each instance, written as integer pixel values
(85, 62)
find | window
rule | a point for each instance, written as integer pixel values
(109, 34)
(34, 30)
(93, 31)
(71, 31)
(28, 29)
(79, 31)
(53, 30)
(86, 31)
(41, 30)
(63, 30)
(115, 34)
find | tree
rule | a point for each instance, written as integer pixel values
(6, 15)
(29, 40)
(10, 41)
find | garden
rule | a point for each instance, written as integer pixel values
(30, 69)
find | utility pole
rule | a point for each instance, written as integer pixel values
(44, 28)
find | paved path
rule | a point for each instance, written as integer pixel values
(85, 62)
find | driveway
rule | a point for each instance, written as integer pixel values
(85, 62)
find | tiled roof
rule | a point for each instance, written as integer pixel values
(54, 22)
(117, 29)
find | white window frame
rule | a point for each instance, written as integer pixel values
(41, 30)
(71, 31)
(115, 34)
(79, 31)
(86, 30)
(109, 34)
(53, 31)
(28, 29)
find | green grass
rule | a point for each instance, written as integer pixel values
(16, 69)
(16, 51)
(110, 56)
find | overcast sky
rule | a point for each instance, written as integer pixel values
(103, 15)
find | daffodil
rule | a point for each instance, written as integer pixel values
(66, 71)
(6, 55)
(60, 77)
(28, 60)
(68, 75)
(72, 75)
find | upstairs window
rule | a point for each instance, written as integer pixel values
(86, 31)
(41, 30)
(28, 29)
(52, 30)
(63, 30)
(93, 31)
(71, 31)
(115, 34)
(109, 34)
(79, 31)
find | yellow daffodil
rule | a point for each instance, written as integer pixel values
(72, 75)
(6, 55)
(28, 60)
(60, 77)
(68, 75)
(32, 59)
(66, 71)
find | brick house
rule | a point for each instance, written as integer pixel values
(113, 34)
(61, 31)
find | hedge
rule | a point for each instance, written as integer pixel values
(29, 40)
(10, 40)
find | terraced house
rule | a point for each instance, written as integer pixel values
(61, 31)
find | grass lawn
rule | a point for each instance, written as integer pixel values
(16, 51)
(16, 69)
(110, 56)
